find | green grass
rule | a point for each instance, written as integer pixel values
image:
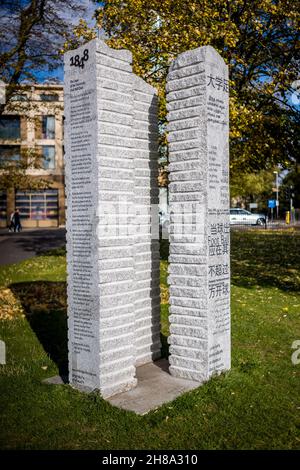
(254, 406)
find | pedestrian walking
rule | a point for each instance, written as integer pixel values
(11, 226)
(17, 221)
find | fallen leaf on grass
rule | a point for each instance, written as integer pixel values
(10, 306)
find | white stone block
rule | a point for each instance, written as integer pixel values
(199, 279)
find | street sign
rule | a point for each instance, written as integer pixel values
(271, 203)
(253, 205)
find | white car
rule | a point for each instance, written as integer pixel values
(243, 217)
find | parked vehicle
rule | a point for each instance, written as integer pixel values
(243, 217)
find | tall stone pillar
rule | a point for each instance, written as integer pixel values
(199, 279)
(100, 152)
(111, 141)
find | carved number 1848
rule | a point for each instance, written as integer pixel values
(77, 61)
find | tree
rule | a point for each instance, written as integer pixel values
(259, 40)
(32, 32)
(14, 174)
(252, 187)
(290, 189)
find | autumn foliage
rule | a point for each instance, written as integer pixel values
(259, 40)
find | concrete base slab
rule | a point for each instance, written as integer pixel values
(154, 388)
(56, 380)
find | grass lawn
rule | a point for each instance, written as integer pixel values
(254, 406)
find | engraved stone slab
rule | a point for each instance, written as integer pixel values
(99, 142)
(199, 272)
(111, 142)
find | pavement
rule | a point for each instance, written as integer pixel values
(16, 247)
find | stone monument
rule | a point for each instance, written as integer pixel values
(113, 264)
(199, 277)
(111, 143)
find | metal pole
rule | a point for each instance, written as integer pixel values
(291, 204)
(277, 199)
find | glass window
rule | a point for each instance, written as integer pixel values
(9, 153)
(48, 152)
(52, 97)
(48, 127)
(38, 205)
(3, 205)
(10, 127)
(23, 204)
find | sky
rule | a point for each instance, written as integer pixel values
(7, 9)
(43, 75)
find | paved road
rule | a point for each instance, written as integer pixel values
(15, 247)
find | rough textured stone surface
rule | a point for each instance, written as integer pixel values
(147, 322)
(199, 279)
(111, 140)
(95, 140)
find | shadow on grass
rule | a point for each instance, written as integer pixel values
(164, 250)
(40, 241)
(267, 259)
(164, 346)
(45, 307)
(44, 304)
(60, 251)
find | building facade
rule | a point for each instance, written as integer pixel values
(33, 121)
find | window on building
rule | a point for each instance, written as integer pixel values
(50, 97)
(10, 128)
(38, 205)
(3, 205)
(48, 127)
(9, 153)
(19, 97)
(48, 154)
